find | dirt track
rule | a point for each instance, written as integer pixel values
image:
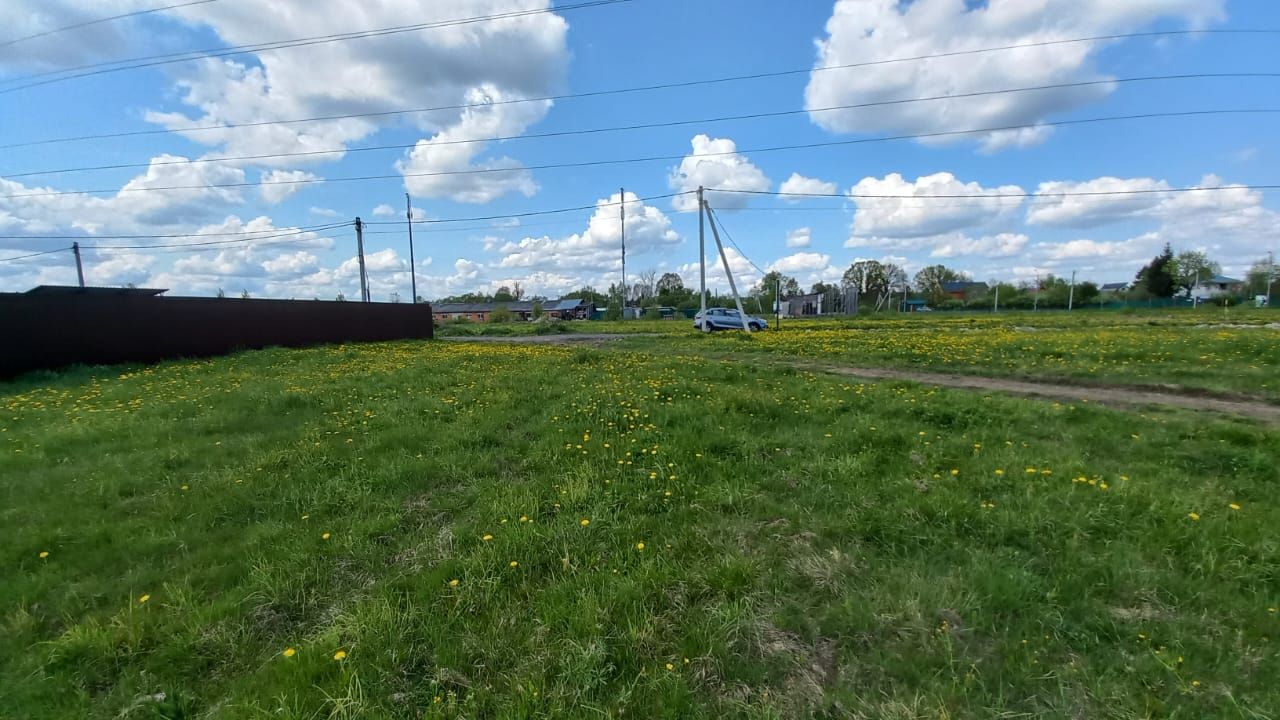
(1121, 396)
(1115, 396)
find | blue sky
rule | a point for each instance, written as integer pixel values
(637, 43)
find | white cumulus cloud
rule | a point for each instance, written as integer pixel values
(861, 31)
(277, 185)
(798, 238)
(798, 183)
(715, 163)
(897, 208)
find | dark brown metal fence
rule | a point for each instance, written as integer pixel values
(39, 331)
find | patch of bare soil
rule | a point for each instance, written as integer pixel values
(1121, 396)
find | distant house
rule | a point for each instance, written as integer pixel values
(961, 289)
(563, 309)
(1113, 288)
(1216, 286)
(475, 312)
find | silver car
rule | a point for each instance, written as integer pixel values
(726, 319)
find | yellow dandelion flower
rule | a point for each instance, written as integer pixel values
(640, 546)
(670, 667)
(186, 487)
(487, 537)
(324, 536)
(44, 554)
(1234, 506)
(143, 599)
(584, 522)
(453, 583)
(955, 471)
(513, 563)
(1193, 516)
(999, 471)
(1195, 683)
(340, 655)
(289, 652)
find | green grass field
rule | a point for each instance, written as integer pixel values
(452, 530)
(1233, 351)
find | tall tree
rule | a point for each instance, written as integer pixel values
(1263, 275)
(766, 290)
(896, 277)
(1191, 267)
(1156, 277)
(645, 288)
(867, 277)
(931, 279)
(503, 294)
(771, 281)
(670, 283)
(587, 292)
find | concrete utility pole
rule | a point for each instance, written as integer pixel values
(742, 316)
(622, 227)
(1035, 304)
(1271, 274)
(996, 308)
(413, 269)
(1071, 292)
(364, 278)
(75, 248)
(702, 254)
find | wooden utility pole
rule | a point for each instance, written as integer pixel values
(75, 248)
(413, 269)
(702, 256)
(364, 278)
(742, 316)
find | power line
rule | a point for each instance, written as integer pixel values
(325, 228)
(652, 158)
(716, 218)
(87, 23)
(173, 235)
(643, 126)
(34, 254)
(200, 246)
(289, 233)
(618, 91)
(169, 58)
(1078, 193)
